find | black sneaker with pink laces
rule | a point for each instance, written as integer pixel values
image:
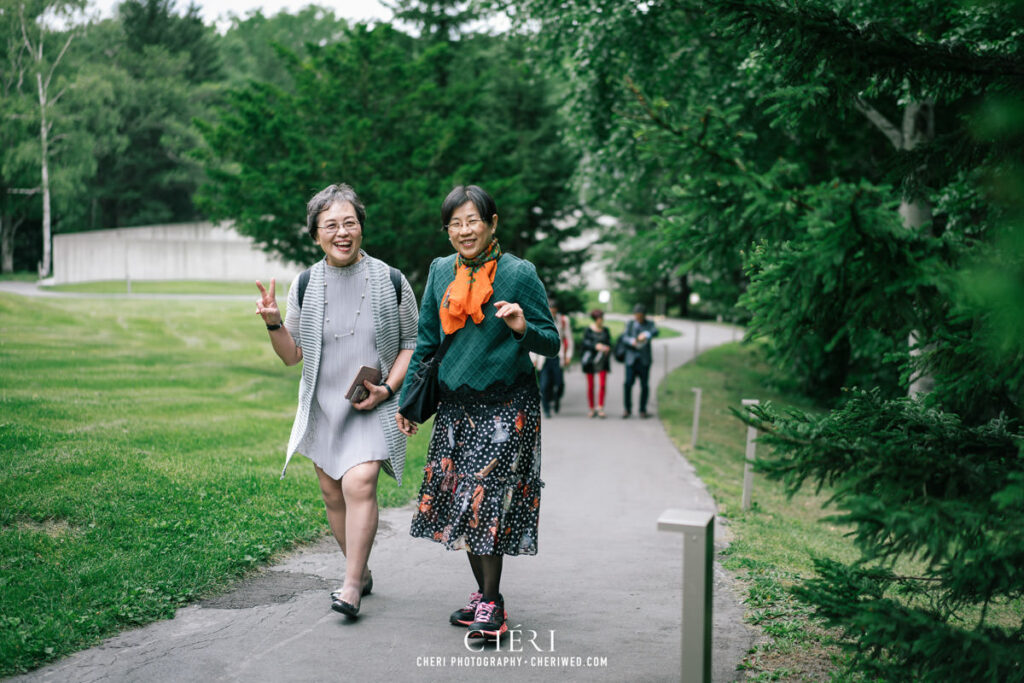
(489, 620)
(464, 616)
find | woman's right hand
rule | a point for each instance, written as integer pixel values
(405, 426)
(266, 305)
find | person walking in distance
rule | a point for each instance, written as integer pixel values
(638, 334)
(552, 375)
(596, 347)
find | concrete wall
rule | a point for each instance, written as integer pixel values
(183, 251)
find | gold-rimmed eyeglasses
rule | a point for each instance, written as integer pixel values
(332, 228)
(472, 224)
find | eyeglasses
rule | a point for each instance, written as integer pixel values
(332, 228)
(472, 224)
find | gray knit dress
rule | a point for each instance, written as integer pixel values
(339, 436)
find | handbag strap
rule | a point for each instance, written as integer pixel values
(443, 348)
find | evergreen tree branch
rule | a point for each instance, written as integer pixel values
(898, 577)
(879, 46)
(660, 121)
(760, 422)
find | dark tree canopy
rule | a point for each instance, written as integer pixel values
(371, 110)
(848, 173)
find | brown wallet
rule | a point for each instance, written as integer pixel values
(357, 392)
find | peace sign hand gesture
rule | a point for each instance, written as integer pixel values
(266, 305)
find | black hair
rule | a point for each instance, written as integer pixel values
(328, 196)
(597, 313)
(468, 193)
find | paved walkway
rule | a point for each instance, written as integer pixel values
(604, 589)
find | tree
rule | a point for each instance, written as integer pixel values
(44, 57)
(362, 111)
(936, 477)
(678, 143)
(152, 71)
(15, 184)
(849, 240)
(250, 45)
(147, 23)
(374, 110)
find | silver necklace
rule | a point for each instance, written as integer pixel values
(366, 283)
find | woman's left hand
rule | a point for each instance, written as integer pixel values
(513, 316)
(378, 394)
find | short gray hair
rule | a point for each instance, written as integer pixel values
(325, 198)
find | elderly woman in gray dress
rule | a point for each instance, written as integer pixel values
(347, 311)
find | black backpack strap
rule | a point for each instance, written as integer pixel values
(303, 281)
(396, 282)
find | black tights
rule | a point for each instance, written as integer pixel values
(487, 570)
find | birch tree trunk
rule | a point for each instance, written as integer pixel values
(44, 131)
(918, 127)
(34, 41)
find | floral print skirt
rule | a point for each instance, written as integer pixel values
(481, 484)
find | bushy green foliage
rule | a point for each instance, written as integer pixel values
(838, 299)
(402, 120)
(914, 482)
(790, 133)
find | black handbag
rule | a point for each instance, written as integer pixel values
(620, 349)
(423, 394)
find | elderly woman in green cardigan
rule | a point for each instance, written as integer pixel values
(347, 311)
(481, 485)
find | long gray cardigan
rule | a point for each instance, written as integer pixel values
(395, 330)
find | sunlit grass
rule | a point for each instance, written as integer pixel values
(142, 447)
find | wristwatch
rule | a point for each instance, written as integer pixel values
(275, 326)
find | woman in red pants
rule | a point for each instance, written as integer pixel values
(595, 360)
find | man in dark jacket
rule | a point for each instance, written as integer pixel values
(638, 335)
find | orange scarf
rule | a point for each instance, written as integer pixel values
(468, 292)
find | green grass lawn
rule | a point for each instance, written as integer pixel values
(167, 287)
(142, 446)
(772, 544)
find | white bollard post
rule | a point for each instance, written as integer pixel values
(696, 340)
(696, 417)
(748, 468)
(665, 356)
(698, 529)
